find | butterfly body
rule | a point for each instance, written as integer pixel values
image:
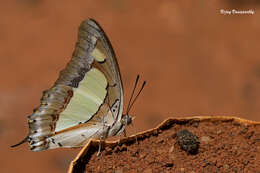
(86, 101)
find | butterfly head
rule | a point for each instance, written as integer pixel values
(127, 119)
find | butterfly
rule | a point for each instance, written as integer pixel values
(86, 101)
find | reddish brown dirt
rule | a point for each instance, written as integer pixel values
(195, 60)
(224, 147)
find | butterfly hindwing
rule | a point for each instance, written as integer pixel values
(109, 67)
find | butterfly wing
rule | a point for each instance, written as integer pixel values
(109, 66)
(87, 96)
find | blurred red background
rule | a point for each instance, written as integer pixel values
(196, 62)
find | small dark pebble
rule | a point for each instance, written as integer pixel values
(169, 164)
(188, 141)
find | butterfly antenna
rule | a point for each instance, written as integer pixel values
(136, 97)
(128, 107)
(23, 141)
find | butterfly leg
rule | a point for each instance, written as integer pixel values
(136, 140)
(103, 138)
(99, 147)
(119, 136)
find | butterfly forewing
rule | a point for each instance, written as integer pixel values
(87, 98)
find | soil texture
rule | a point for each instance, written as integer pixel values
(224, 146)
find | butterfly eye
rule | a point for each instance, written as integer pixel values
(129, 119)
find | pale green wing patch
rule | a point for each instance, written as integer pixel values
(86, 100)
